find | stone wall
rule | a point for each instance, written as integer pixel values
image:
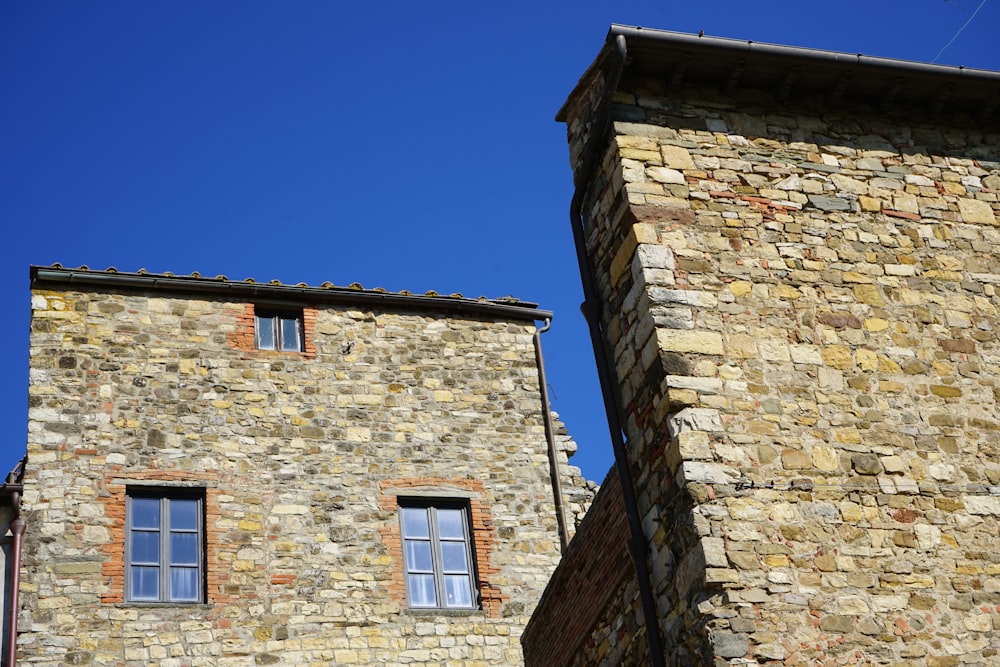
(802, 301)
(301, 458)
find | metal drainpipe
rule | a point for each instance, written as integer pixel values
(17, 530)
(550, 438)
(591, 308)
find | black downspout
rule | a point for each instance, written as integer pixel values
(17, 530)
(602, 354)
(550, 438)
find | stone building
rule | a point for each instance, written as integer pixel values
(791, 260)
(236, 473)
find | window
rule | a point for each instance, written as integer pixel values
(278, 331)
(164, 546)
(437, 554)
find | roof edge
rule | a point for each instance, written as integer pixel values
(45, 276)
(744, 47)
(874, 66)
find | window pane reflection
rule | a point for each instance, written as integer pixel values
(420, 590)
(145, 512)
(458, 591)
(184, 584)
(415, 522)
(146, 548)
(145, 583)
(453, 557)
(450, 524)
(418, 557)
(183, 514)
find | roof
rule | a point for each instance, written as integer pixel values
(47, 277)
(789, 71)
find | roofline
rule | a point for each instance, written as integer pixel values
(743, 47)
(890, 69)
(44, 276)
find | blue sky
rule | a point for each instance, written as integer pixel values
(398, 145)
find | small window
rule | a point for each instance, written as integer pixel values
(437, 554)
(278, 331)
(164, 551)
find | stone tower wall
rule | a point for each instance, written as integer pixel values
(803, 308)
(302, 457)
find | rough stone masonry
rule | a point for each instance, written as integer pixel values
(301, 458)
(798, 258)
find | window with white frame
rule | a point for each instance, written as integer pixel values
(164, 548)
(437, 555)
(278, 330)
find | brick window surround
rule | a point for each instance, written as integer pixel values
(116, 484)
(244, 339)
(484, 533)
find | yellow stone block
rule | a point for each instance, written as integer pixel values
(623, 255)
(776, 560)
(700, 342)
(676, 157)
(869, 203)
(847, 435)
(891, 387)
(976, 211)
(644, 232)
(945, 391)
(837, 356)
(825, 458)
(787, 292)
(887, 365)
(867, 359)
(869, 294)
(740, 288)
(874, 324)
(640, 155)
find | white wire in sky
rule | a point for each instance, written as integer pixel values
(959, 31)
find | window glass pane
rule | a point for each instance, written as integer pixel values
(184, 584)
(458, 591)
(453, 557)
(265, 333)
(184, 514)
(450, 524)
(145, 548)
(415, 522)
(145, 512)
(183, 548)
(289, 334)
(420, 590)
(145, 584)
(418, 557)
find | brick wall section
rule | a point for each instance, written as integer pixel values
(244, 338)
(484, 536)
(586, 591)
(294, 451)
(113, 500)
(802, 303)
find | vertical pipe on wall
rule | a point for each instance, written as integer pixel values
(592, 311)
(550, 438)
(17, 527)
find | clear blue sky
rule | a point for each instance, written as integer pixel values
(399, 145)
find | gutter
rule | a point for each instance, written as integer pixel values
(592, 311)
(550, 438)
(739, 47)
(514, 310)
(17, 526)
